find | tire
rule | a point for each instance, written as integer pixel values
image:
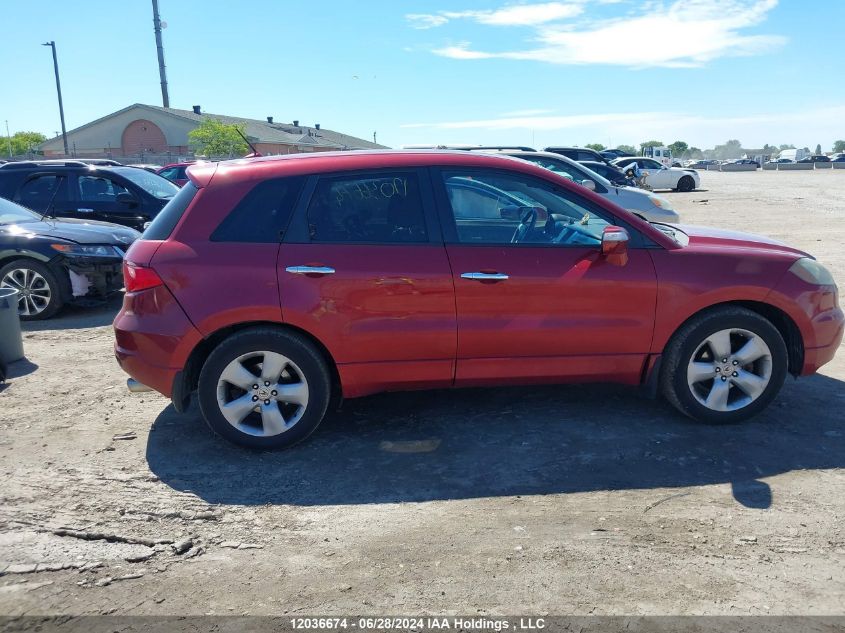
(41, 283)
(728, 391)
(686, 183)
(259, 415)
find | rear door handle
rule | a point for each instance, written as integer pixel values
(485, 276)
(310, 270)
(85, 210)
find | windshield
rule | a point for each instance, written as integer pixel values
(577, 174)
(11, 213)
(153, 184)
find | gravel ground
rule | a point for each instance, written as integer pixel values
(570, 500)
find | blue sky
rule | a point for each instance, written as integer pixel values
(448, 71)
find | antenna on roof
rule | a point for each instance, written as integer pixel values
(255, 153)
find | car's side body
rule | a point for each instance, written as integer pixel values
(659, 176)
(577, 153)
(652, 207)
(83, 258)
(402, 316)
(90, 192)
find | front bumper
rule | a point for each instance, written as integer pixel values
(91, 278)
(829, 326)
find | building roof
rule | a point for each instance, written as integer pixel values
(258, 130)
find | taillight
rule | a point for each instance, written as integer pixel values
(137, 277)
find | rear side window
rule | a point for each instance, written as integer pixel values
(263, 213)
(381, 208)
(163, 224)
(39, 192)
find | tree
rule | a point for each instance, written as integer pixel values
(818, 148)
(731, 149)
(839, 146)
(22, 143)
(695, 152)
(679, 148)
(596, 146)
(215, 138)
(783, 147)
(627, 148)
(651, 144)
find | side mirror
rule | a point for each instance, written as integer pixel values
(589, 184)
(124, 197)
(614, 245)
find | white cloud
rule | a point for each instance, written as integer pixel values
(425, 20)
(514, 15)
(685, 33)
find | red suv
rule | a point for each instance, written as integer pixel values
(273, 286)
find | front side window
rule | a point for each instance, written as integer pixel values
(370, 208)
(99, 189)
(556, 166)
(504, 208)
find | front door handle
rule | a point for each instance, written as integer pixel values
(310, 270)
(85, 210)
(485, 276)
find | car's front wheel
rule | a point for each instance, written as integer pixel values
(39, 296)
(264, 388)
(686, 183)
(724, 365)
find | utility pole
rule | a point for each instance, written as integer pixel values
(374, 137)
(165, 98)
(9, 137)
(52, 45)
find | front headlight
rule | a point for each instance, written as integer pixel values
(660, 203)
(87, 250)
(812, 272)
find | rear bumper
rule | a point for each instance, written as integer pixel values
(153, 338)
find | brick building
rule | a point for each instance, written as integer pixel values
(144, 130)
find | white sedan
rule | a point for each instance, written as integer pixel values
(658, 176)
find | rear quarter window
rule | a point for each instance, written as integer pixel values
(263, 214)
(163, 224)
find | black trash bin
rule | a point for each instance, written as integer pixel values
(11, 341)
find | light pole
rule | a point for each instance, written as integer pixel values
(9, 138)
(52, 45)
(157, 26)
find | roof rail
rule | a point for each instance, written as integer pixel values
(481, 148)
(69, 162)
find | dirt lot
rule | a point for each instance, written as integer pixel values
(566, 500)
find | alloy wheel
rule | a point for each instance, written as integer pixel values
(34, 292)
(730, 369)
(262, 393)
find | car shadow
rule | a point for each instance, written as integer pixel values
(460, 444)
(75, 317)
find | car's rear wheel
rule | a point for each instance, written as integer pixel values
(264, 388)
(724, 365)
(39, 296)
(686, 183)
